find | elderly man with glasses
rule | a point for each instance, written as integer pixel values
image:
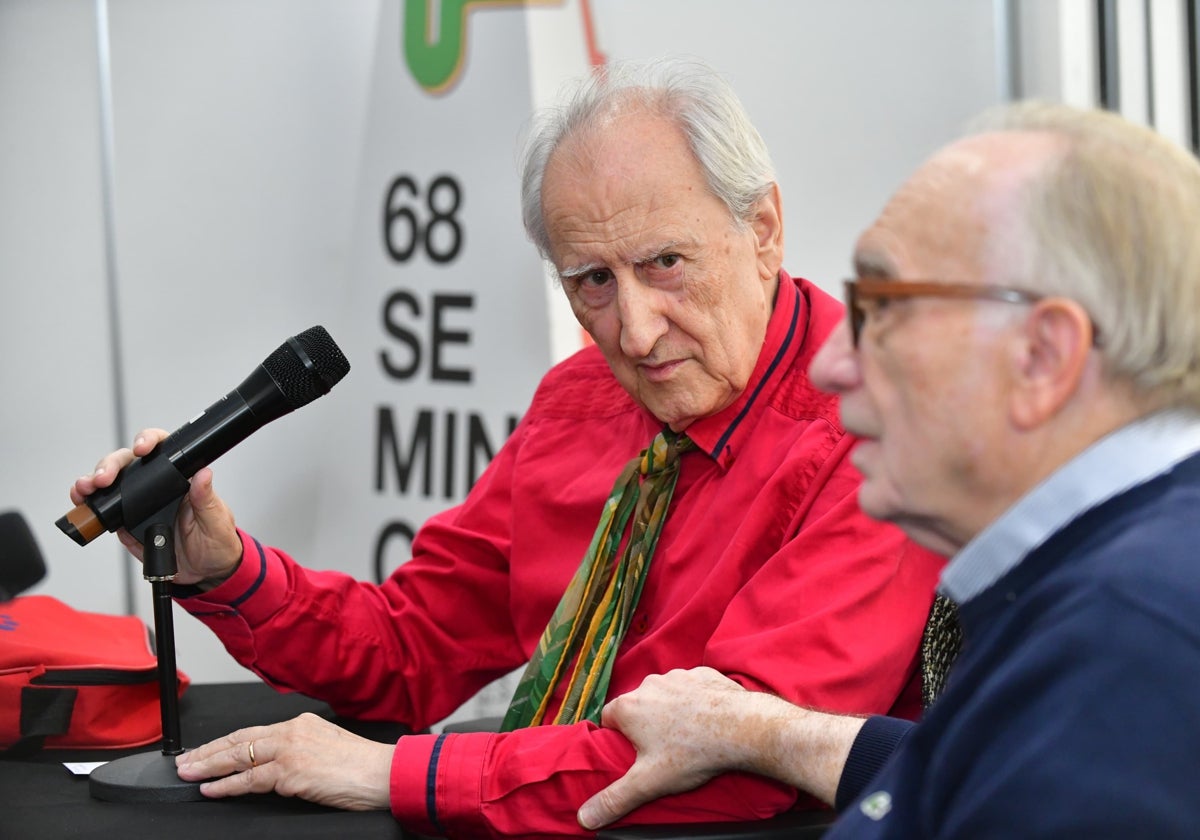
(1022, 363)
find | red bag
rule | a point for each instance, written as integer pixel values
(76, 680)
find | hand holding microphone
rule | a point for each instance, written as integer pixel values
(132, 486)
(207, 546)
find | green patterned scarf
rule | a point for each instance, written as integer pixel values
(581, 640)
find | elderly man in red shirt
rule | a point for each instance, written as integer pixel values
(654, 198)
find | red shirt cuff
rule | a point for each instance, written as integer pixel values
(254, 590)
(437, 781)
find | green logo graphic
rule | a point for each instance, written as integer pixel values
(435, 55)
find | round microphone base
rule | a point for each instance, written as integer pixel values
(146, 777)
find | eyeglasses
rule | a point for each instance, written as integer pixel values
(859, 292)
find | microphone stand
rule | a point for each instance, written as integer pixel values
(151, 777)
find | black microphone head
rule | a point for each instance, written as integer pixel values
(21, 564)
(306, 366)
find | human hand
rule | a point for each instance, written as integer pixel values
(306, 757)
(207, 546)
(680, 724)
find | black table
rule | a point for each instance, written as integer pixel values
(39, 798)
(42, 800)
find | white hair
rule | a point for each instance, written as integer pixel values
(726, 144)
(1114, 223)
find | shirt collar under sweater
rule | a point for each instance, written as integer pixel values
(1130, 456)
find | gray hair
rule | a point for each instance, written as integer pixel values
(728, 148)
(1114, 224)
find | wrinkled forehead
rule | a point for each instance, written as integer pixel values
(958, 212)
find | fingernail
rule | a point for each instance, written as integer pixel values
(99, 471)
(137, 441)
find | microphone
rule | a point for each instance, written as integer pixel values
(21, 564)
(304, 367)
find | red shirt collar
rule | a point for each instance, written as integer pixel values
(721, 434)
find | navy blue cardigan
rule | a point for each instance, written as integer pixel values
(1074, 709)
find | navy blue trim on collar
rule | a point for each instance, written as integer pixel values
(775, 362)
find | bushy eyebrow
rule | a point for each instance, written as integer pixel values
(570, 272)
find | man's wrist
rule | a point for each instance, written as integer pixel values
(210, 583)
(802, 747)
(757, 743)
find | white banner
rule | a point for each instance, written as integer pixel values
(445, 303)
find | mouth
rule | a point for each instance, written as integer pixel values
(659, 372)
(864, 454)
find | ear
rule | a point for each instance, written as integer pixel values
(1050, 361)
(767, 225)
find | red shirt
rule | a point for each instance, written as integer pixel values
(765, 570)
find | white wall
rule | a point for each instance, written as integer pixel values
(55, 377)
(237, 130)
(240, 177)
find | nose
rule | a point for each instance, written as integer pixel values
(642, 319)
(835, 368)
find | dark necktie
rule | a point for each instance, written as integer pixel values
(581, 640)
(940, 645)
